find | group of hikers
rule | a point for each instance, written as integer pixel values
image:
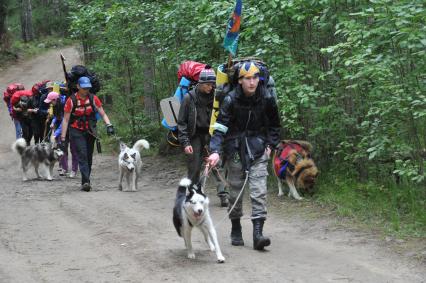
(67, 115)
(247, 129)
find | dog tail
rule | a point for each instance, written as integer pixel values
(183, 186)
(141, 144)
(185, 182)
(19, 146)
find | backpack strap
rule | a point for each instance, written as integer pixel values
(74, 106)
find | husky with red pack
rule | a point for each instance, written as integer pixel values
(7, 95)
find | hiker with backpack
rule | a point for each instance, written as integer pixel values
(57, 100)
(7, 96)
(20, 103)
(80, 115)
(245, 132)
(38, 117)
(194, 123)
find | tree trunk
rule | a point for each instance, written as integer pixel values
(26, 21)
(3, 12)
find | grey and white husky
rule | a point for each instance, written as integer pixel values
(41, 156)
(192, 210)
(130, 164)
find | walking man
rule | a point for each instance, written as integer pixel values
(194, 123)
(246, 131)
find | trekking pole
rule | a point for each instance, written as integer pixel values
(64, 68)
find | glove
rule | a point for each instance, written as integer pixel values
(110, 130)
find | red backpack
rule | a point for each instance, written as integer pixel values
(190, 70)
(10, 90)
(39, 86)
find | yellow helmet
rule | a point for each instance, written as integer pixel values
(248, 69)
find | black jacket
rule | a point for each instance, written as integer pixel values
(190, 109)
(255, 117)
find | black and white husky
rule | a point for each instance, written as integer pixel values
(192, 210)
(130, 164)
(42, 155)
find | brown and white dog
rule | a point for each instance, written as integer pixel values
(293, 164)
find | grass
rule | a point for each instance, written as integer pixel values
(396, 210)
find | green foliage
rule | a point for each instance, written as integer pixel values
(350, 78)
(399, 210)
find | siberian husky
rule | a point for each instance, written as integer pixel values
(192, 210)
(130, 164)
(44, 154)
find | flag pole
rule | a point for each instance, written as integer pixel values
(229, 60)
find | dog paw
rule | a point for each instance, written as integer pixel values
(24, 179)
(191, 256)
(220, 259)
(49, 179)
(280, 194)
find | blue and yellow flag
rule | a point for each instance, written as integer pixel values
(230, 42)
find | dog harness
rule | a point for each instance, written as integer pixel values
(281, 159)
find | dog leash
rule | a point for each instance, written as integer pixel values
(47, 137)
(206, 173)
(235, 203)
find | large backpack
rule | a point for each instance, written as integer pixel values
(79, 71)
(227, 80)
(10, 90)
(40, 87)
(188, 75)
(232, 72)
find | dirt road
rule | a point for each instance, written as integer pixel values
(52, 232)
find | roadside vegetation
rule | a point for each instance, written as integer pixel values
(350, 79)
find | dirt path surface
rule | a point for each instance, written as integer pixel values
(52, 232)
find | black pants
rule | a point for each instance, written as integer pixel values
(195, 160)
(27, 130)
(84, 143)
(38, 126)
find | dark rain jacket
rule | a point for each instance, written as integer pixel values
(246, 125)
(188, 113)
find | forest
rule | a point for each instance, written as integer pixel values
(350, 78)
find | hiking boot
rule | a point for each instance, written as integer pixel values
(62, 172)
(224, 202)
(236, 234)
(259, 241)
(86, 187)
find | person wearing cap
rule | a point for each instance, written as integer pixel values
(194, 123)
(80, 115)
(246, 131)
(58, 102)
